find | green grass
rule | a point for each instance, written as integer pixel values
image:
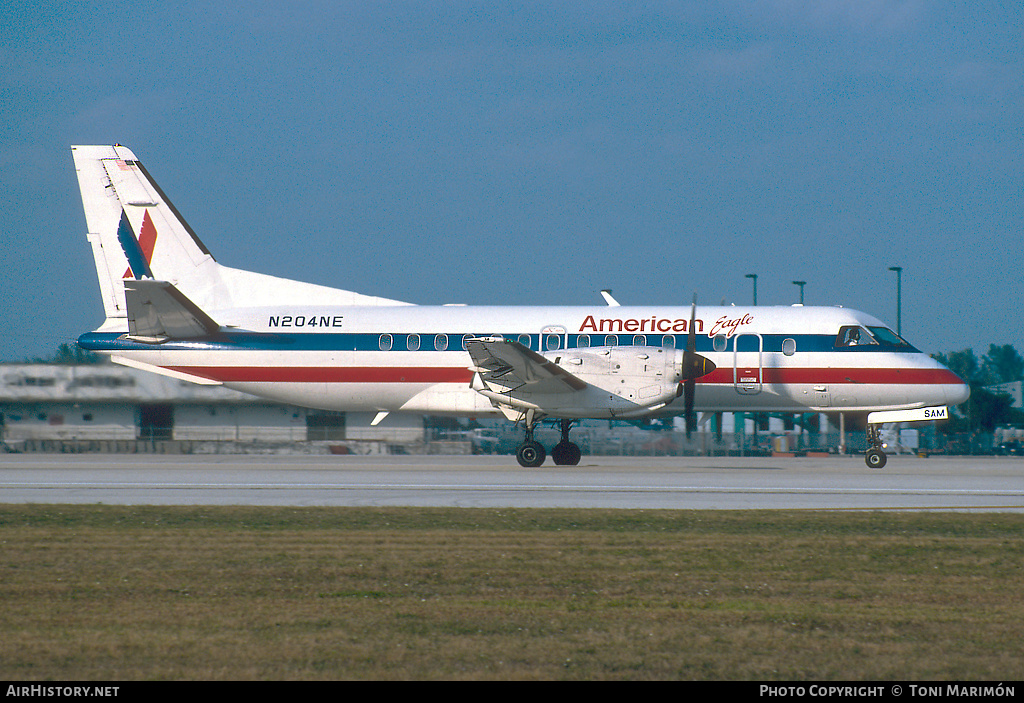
(120, 593)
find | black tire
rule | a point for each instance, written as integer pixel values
(566, 454)
(530, 455)
(875, 458)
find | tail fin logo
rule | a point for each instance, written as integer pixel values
(139, 252)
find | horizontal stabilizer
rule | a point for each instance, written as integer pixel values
(153, 368)
(157, 312)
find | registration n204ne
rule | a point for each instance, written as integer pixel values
(305, 320)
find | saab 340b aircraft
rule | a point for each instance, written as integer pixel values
(172, 309)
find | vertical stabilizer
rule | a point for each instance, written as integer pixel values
(136, 233)
(134, 230)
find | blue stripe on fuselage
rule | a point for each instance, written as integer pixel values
(377, 342)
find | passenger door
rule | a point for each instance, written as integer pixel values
(748, 363)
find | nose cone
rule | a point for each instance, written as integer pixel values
(953, 387)
(957, 393)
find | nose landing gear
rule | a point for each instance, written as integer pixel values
(875, 458)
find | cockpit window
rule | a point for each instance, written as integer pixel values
(857, 336)
(854, 336)
(887, 337)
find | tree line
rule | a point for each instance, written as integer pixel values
(69, 354)
(987, 408)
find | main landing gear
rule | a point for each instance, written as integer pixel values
(875, 458)
(531, 454)
(565, 452)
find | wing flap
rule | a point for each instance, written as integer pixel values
(513, 367)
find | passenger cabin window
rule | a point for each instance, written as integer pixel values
(441, 342)
(668, 341)
(583, 340)
(524, 339)
(386, 341)
(720, 342)
(412, 342)
(639, 340)
(789, 346)
(551, 342)
(611, 340)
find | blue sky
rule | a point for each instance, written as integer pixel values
(535, 153)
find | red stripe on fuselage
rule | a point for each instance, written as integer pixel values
(328, 374)
(432, 374)
(909, 376)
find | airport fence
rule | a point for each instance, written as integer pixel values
(619, 441)
(627, 441)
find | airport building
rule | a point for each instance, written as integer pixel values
(107, 407)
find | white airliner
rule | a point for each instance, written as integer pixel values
(172, 309)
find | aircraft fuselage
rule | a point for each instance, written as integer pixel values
(413, 358)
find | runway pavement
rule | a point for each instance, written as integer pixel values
(692, 483)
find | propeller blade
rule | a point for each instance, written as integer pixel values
(688, 414)
(694, 366)
(689, 368)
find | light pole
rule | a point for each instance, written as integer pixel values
(801, 284)
(754, 276)
(899, 298)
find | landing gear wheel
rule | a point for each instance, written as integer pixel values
(566, 454)
(875, 458)
(530, 454)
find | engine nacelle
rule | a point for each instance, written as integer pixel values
(647, 377)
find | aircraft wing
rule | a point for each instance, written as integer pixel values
(157, 312)
(509, 366)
